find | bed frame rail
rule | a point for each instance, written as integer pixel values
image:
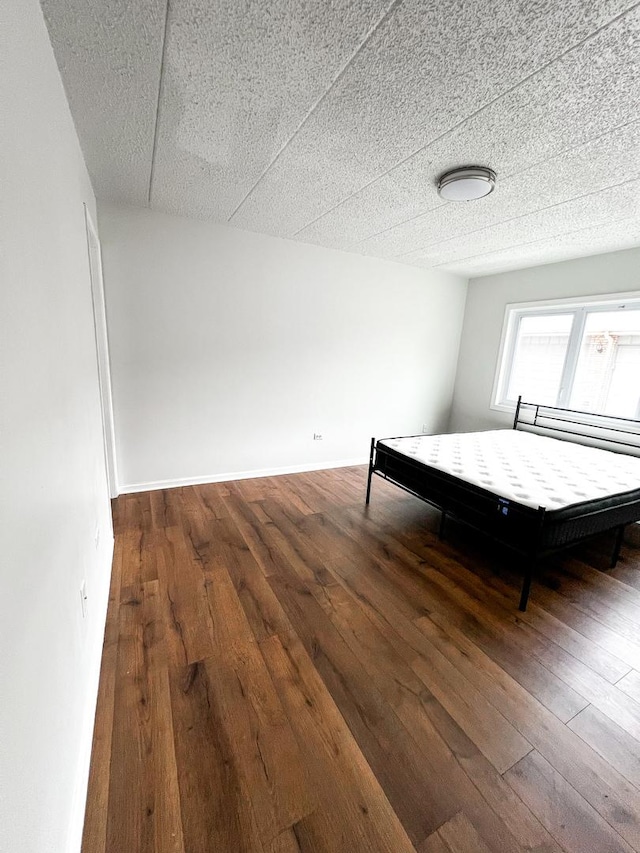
(621, 435)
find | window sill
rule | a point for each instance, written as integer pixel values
(503, 407)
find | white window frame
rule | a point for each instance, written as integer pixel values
(580, 308)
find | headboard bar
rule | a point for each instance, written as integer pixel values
(522, 402)
(588, 425)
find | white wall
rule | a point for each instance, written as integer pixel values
(484, 314)
(53, 496)
(230, 349)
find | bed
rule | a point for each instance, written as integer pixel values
(557, 478)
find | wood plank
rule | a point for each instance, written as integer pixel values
(598, 782)
(310, 495)
(547, 638)
(459, 836)
(343, 492)
(607, 638)
(427, 716)
(591, 685)
(144, 801)
(288, 496)
(286, 842)
(117, 515)
(94, 839)
(216, 813)
(353, 812)
(567, 816)
(630, 684)
(212, 496)
(261, 607)
(163, 512)
(523, 825)
(413, 703)
(185, 607)
(253, 489)
(410, 701)
(600, 585)
(272, 769)
(494, 736)
(283, 536)
(407, 697)
(610, 741)
(492, 571)
(497, 575)
(433, 844)
(501, 640)
(138, 562)
(624, 621)
(404, 774)
(472, 600)
(252, 531)
(587, 684)
(131, 513)
(272, 774)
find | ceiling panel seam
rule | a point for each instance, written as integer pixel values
(383, 18)
(515, 218)
(402, 222)
(532, 242)
(509, 176)
(158, 104)
(462, 121)
(575, 147)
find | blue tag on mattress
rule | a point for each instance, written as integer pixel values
(503, 506)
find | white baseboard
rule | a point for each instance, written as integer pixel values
(76, 825)
(240, 475)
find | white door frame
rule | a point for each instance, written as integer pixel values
(102, 353)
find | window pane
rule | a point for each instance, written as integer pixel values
(538, 360)
(608, 375)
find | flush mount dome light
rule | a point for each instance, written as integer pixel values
(466, 183)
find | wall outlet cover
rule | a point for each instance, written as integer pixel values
(83, 598)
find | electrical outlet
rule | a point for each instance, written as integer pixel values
(425, 429)
(317, 436)
(83, 598)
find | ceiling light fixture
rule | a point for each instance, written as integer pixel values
(466, 183)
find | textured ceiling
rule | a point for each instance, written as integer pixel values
(328, 121)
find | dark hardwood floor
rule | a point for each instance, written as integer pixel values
(286, 670)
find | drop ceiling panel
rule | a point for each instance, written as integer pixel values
(623, 234)
(109, 53)
(329, 121)
(239, 78)
(426, 68)
(562, 106)
(610, 205)
(581, 171)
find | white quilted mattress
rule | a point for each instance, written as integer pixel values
(521, 466)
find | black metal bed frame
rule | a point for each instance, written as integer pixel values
(543, 532)
(603, 429)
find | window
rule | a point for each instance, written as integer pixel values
(584, 357)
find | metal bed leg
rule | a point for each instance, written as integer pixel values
(443, 521)
(373, 445)
(618, 546)
(532, 562)
(526, 585)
